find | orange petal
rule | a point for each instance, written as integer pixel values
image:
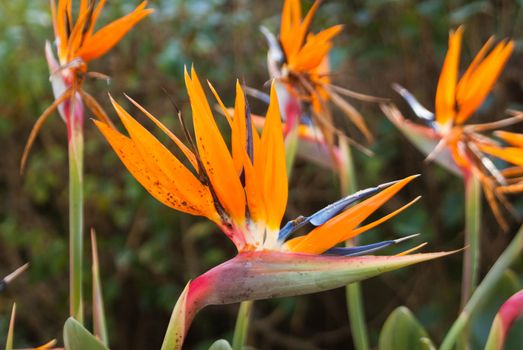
(461, 88)
(107, 37)
(383, 219)
(224, 109)
(239, 129)
(186, 151)
(342, 226)
(131, 156)
(446, 91)
(511, 137)
(167, 168)
(214, 153)
(254, 191)
(512, 155)
(482, 80)
(273, 167)
(94, 18)
(290, 17)
(316, 49)
(60, 26)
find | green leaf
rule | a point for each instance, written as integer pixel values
(220, 344)
(402, 331)
(99, 322)
(76, 337)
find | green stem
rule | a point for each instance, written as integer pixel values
(291, 147)
(353, 294)
(242, 325)
(76, 143)
(484, 290)
(472, 238)
(471, 257)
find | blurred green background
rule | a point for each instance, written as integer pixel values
(148, 252)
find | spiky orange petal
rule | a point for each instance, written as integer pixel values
(186, 151)
(131, 157)
(511, 137)
(103, 40)
(481, 80)
(275, 188)
(215, 156)
(446, 91)
(341, 227)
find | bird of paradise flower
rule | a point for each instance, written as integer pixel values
(244, 191)
(77, 44)
(464, 149)
(298, 60)
(459, 147)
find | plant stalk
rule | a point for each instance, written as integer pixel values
(471, 257)
(242, 325)
(76, 145)
(484, 290)
(355, 305)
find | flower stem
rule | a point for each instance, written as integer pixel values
(242, 325)
(471, 256)
(76, 144)
(484, 290)
(353, 293)
(472, 238)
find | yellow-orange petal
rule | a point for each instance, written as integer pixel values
(239, 130)
(316, 49)
(224, 109)
(446, 91)
(103, 40)
(461, 88)
(482, 80)
(131, 157)
(275, 187)
(186, 151)
(381, 220)
(254, 191)
(215, 155)
(166, 167)
(342, 226)
(513, 155)
(512, 138)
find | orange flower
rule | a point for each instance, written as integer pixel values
(77, 44)
(464, 148)
(299, 60)
(244, 191)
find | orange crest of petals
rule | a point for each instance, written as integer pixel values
(457, 100)
(77, 39)
(304, 51)
(237, 188)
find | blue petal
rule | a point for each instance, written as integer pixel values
(330, 211)
(365, 249)
(417, 108)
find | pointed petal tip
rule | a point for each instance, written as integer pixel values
(406, 238)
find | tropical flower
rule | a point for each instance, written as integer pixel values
(299, 62)
(464, 148)
(244, 191)
(77, 44)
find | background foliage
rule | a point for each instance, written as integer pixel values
(148, 252)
